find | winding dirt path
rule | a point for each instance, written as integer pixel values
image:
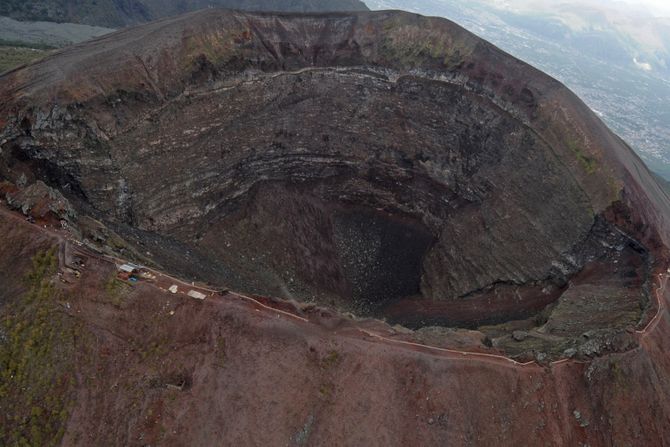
(663, 281)
(453, 354)
(66, 242)
(469, 355)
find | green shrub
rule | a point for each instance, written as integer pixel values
(36, 355)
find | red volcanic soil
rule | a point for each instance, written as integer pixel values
(187, 130)
(153, 368)
(497, 304)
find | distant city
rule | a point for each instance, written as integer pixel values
(600, 61)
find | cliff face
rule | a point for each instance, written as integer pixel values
(183, 128)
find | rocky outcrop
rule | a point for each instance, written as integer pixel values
(38, 201)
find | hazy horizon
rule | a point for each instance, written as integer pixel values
(656, 8)
(659, 8)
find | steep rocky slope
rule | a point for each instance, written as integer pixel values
(384, 163)
(134, 365)
(290, 154)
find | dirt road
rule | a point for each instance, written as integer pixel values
(68, 246)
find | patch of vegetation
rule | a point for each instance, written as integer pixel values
(36, 353)
(154, 350)
(220, 350)
(12, 57)
(410, 47)
(617, 374)
(588, 163)
(330, 360)
(207, 52)
(115, 290)
(326, 391)
(21, 44)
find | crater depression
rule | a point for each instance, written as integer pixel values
(324, 158)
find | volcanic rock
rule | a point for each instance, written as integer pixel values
(387, 164)
(519, 335)
(39, 201)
